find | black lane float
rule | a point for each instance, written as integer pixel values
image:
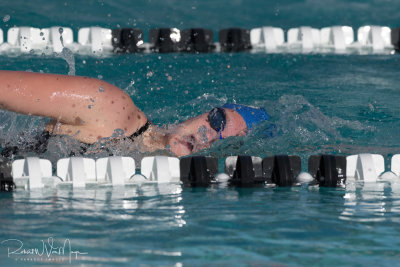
(6, 179)
(395, 38)
(197, 40)
(198, 171)
(328, 170)
(244, 171)
(165, 40)
(281, 170)
(234, 40)
(127, 40)
(169, 40)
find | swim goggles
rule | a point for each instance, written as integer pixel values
(217, 120)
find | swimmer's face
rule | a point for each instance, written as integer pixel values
(196, 133)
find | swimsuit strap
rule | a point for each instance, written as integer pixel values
(141, 130)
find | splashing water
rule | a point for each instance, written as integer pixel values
(67, 55)
(61, 30)
(31, 125)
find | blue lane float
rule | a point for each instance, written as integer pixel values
(99, 41)
(197, 171)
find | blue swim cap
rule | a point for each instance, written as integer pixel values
(251, 115)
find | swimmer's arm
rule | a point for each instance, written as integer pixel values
(85, 108)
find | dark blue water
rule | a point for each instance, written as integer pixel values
(341, 104)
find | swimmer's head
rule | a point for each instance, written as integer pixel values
(251, 115)
(199, 132)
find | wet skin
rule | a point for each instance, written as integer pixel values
(90, 109)
(196, 134)
(85, 108)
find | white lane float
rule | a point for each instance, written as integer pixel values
(365, 167)
(77, 171)
(114, 170)
(337, 37)
(305, 37)
(61, 37)
(30, 39)
(27, 39)
(160, 169)
(96, 39)
(33, 173)
(395, 170)
(268, 38)
(395, 164)
(376, 37)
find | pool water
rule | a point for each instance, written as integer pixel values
(167, 226)
(320, 103)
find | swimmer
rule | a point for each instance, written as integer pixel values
(89, 109)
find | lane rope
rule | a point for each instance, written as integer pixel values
(197, 171)
(97, 41)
